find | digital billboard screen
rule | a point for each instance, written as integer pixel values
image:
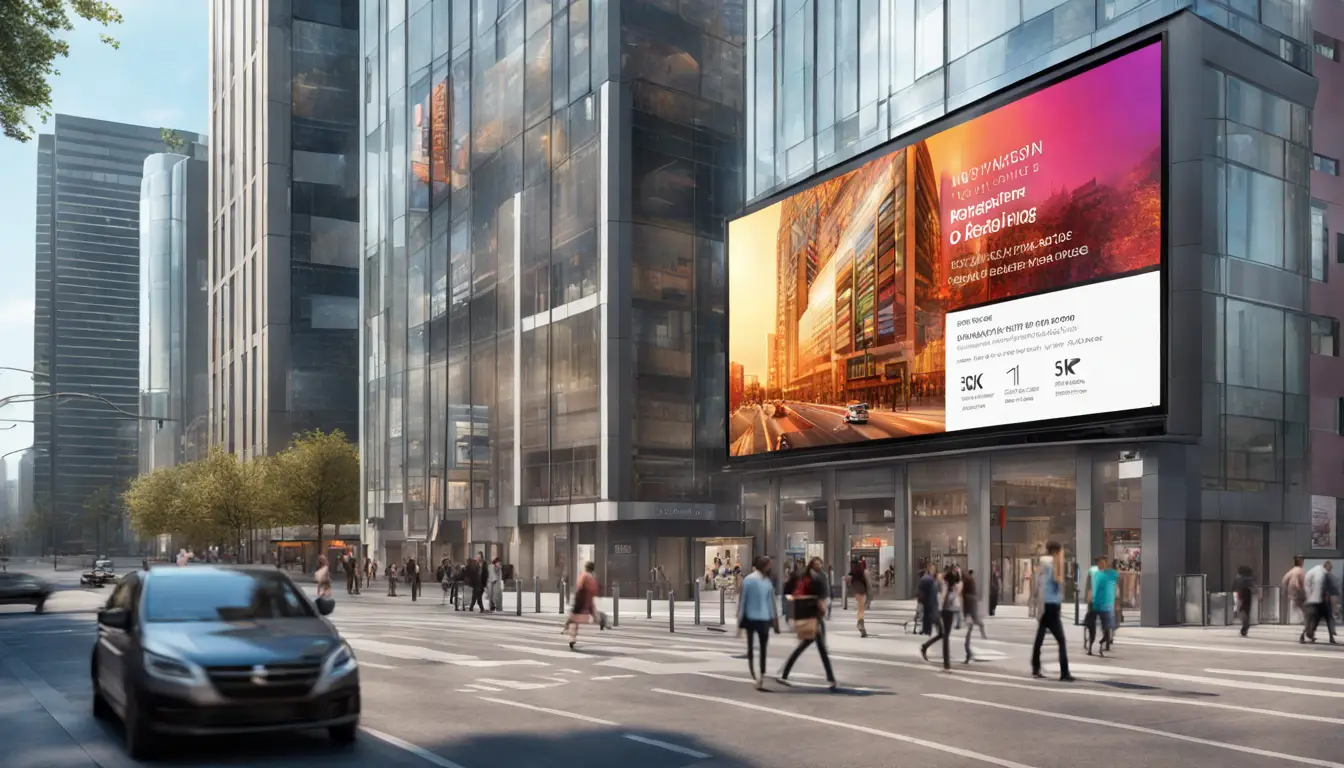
(1004, 271)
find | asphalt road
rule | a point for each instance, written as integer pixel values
(754, 429)
(463, 690)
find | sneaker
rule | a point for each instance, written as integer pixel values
(924, 651)
(1067, 678)
(1037, 674)
(760, 683)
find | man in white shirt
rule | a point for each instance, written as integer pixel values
(1317, 602)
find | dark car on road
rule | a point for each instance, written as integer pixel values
(23, 589)
(220, 650)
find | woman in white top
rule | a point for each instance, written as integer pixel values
(949, 602)
(496, 585)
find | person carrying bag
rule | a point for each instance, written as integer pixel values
(808, 593)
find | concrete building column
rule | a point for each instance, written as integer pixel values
(1087, 537)
(774, 528)
(1170, 492)
(978, 529)
(900, 534)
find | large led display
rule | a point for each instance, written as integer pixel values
(1004, 271)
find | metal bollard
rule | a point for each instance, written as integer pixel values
(671, 612)
(723, 616)
(536, 591)
(563, 592)
(648, 604)
(697, 603)
(615, 606)
(518, 597)
(844, 593)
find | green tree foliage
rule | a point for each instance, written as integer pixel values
(231, 494)
(172, 140)
(156, 504)
(316, 481)
(32, 37)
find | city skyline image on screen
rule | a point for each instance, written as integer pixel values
(936, 287)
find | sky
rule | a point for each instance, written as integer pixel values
(159, 77)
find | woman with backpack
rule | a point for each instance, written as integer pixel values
(810, 593)
(949, 602)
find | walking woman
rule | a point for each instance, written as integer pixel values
(949, 599)
(810, 593)
(391, 578)
(757, 614)
(496, 586)
(970, 605)
(858, 585)
(323, 579)
(584, 607)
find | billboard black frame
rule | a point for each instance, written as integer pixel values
(1131, 424)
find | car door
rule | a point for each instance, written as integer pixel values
(113, 642)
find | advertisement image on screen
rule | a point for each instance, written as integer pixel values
(1004, 271)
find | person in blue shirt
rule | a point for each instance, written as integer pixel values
(757, 613)
(1050, 591)
(1103, 602)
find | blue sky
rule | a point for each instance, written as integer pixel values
(159, 77)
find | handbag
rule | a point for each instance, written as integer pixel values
(325, 605)
(805, 628)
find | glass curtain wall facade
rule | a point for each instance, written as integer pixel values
(86, 320)
(827, 82)
(546, 185)
(284, 191)
(174, 286)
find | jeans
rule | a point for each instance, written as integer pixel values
(820, 641)
(1316, 612)
(1050, 622)
(476, 594)
(756, 629)
(944, 634)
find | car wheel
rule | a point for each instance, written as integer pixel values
(344, 734)
(40, 605)
(139, 738)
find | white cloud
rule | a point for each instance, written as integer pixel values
(16, 313)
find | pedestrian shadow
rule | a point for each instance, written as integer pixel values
(591, 747)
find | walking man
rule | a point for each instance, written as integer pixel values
(1244, 587)
(1050, 592)
(482, 576)
(1294, 588)
(1317, 603)
(927, 591)
(1102, 604)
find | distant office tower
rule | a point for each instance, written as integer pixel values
(174, 286)
(86, 319)
(284, 207)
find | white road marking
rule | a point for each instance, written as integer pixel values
(792, 715)
(613, 677)
(516, 685)
(1229, 649)
(1245, 685)
(547, 710)
(1143, 730)
(417, 653)
(419, 752)
(552, 679)
(372, 665)
(571, 671)
(549, 653)
(477, 688)
(669, 747)
(1278, 676)
(969, 678)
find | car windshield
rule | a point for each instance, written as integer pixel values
(222, 595)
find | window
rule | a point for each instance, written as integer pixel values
(1320, 243)
(1325, 336)
(1327, 46)
(1325, 164)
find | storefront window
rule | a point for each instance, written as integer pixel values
(803, 517)
(939, 524)
(867, 498)
(1033, 501)
(1122, 522)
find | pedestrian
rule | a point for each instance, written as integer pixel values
(949, 599)
(927, 592)
(1244, 588)
(970, 605)
(413, 578)
(459, 577)
(993, 589)
(584, 606)
(1090, 616)
(1294, 587)
(391, 579)
(496, 586)
(322, 577)
(1317, 602)
(1050, 593)
(1102, 604)
(348, 570)
(444, 575)
(810, 592)
(757, 614)
(480, 575)
(858, 584)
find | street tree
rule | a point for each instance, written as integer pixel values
(316, 481)
(232, 495)
(32, 36)
(156, 504)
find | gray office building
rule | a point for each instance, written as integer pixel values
(174, 287)
(86, 325)
(284, 221)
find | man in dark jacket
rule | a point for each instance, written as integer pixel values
(481, 573)
(1244, 587)
(928, 598)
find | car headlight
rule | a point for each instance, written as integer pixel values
(342, 660)
(170, 669)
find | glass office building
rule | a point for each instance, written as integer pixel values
(546, 185)
(1222, 478)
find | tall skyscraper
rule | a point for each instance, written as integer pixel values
(86, 321)
(174, 285)
(284, 208)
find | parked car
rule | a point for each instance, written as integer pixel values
(23, 589)
(96, 577)
(856, 413)
(220, 650)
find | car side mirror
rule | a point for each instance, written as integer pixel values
(116, 618)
